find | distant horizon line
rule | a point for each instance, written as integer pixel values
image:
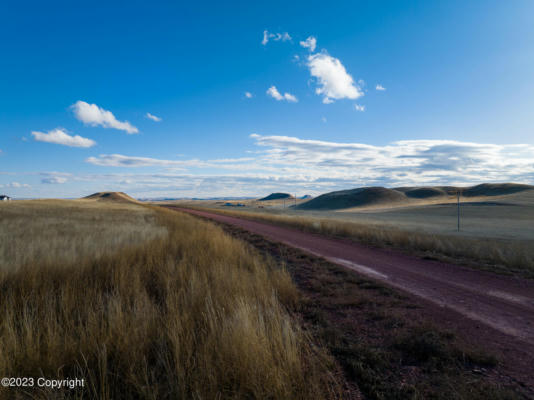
(169, 198)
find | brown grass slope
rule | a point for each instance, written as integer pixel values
(111, 196)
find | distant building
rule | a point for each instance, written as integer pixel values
(4, 198)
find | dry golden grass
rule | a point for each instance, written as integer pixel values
(65, 231)
(191, 314)
(502, 256)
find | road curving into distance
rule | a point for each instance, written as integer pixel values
(503, 303)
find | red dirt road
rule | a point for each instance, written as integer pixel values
(503, 303)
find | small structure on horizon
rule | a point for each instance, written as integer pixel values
(3, 197)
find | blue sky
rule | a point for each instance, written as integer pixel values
(78, 81)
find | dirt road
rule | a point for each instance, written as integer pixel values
(505, 304)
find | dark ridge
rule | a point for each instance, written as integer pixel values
(277, 196)
(424, 192)
(354, 198)
(495, 189)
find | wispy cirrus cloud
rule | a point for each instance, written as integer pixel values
(54, 178)
(314, 166)
(333, 80)
(60, 136)
(15, 185)
(275, 37)
(152, 117)
(119, 160)
(275, 94)
(359, 107)
(93, 115)
(408, 162)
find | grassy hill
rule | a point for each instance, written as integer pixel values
(277, 196)
(111, 196)
(379, 196)
(354, 198)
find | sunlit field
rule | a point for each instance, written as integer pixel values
(146, 303)
(63, 231)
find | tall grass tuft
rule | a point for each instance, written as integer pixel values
(191, 314)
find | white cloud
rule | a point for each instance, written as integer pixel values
(275, 94)
(284, 163)
(359, 107)
(310, 43)
(318, 166)
(93, 115)
(409, 162)
(15, 185)
(119, 160)
(334, 81)
(323, 119)
(248, 95)
(152, 117)
(60, 136)
(54, 180)
(380, 87)
(274, 36)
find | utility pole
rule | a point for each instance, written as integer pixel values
(458, 208)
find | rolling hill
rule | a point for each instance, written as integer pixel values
(111, 196)
(277, 196)
(354, 198)
(380, 196)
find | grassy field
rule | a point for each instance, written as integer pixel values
(496, 236)
(145, 303)
(62, 231)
